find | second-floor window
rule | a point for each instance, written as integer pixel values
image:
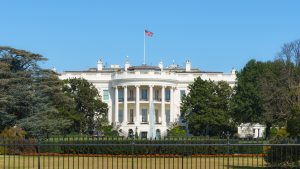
(131, 95)
(105, 95)
(168, 95)
(156, 95)
(144, 94)
(182, 93)
(121, 95)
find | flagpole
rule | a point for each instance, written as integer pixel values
(144, 48)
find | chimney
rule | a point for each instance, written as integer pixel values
(233, 71)
(99, 65)
(127, 65)
(161, 65)
(187, 65)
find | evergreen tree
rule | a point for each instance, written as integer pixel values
(206, 107)
(31, 97)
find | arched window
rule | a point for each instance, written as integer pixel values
(130, 133)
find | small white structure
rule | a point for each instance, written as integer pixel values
(145, 99)
(248, 130)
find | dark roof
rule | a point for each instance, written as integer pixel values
(144, 67)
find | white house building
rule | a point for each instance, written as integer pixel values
(145, 99)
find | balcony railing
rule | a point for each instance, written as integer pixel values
(157, 99)
(131, 99)
(143, 99)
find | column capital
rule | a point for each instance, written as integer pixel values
(137, 85)
(115, 87)
(124, 86)
(151, 85)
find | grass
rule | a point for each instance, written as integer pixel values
(77, 162)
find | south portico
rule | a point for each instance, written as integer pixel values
(137, 105)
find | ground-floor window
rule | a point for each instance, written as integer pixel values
(168, 116)
(144, 116)
(156, 116)
(130, 133)
(144, 134)
(157, 134)
(131, 116)
(120, 116)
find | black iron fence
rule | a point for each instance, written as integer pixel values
(169, 153)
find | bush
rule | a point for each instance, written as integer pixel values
(177, 131)
(143, 147)
(15, 138)
(282, 155)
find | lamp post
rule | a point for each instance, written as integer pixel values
(136, 132)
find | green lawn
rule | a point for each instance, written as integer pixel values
(54, 162)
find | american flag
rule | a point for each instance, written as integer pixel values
(148, 33)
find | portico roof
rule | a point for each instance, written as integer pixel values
(144, 67)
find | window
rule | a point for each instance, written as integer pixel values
(121, 95)
(144, 134)
(130, 133)
(120, 116)
(156, 95)
(168, 95)
(131, 97)
(131, 116)
(144, 94)
(157, 134)
(168, 116)
(156, 116)
(182, 93)
(105, 95)
(144, 116)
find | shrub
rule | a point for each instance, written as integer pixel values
(279, 155)
(14, 137)
(177, 131)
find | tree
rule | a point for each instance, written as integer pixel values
(89, 106)
(31, 97)
(247, 102)
(206, 107)
(269, 92)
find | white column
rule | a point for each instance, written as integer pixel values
(151, 117)
(125, 105)
(150, 97)
(137, 104)
(163, 110)
(116, 105)
(171, 104)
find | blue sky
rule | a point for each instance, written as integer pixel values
(214, 35)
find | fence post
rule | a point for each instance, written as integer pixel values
(38, 151)
(228, 143)
(132, 154)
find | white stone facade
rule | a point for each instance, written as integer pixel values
(248, 130)
(145, 98)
